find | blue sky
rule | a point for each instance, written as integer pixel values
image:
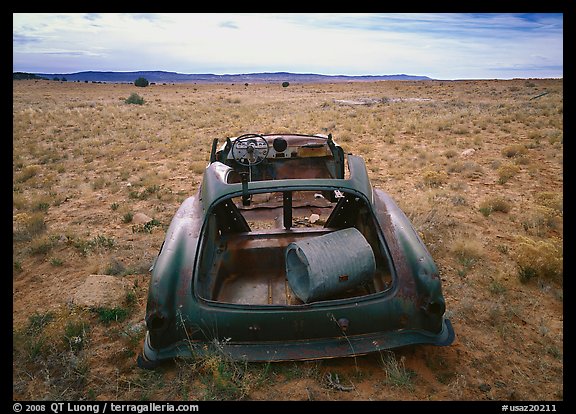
(438, 45)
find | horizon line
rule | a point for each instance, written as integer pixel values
(278, 72)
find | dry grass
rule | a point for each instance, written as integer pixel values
(496, 203)
(85, 162)
(539, 259)
(506, 172)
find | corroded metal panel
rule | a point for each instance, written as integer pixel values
(219, 282)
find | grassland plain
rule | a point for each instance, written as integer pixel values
(476, 165)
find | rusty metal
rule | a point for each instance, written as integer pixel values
(287, 209)
(219, 283)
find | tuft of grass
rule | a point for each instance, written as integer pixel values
(469, 169)
(146, 227)
(551, 200)
(541, 259)
(555, 137)
(503, 248)
(41, 246)
(17, 266)
(434, 178)
(27, 226)
(38, 321)
(31, 339)
(496, 288)
(50, 349)
(41, 204)
(75, 334)
(500, 320)
(102, 241)
(541, 220)
(222, 378)
(109, 315)
(145, 193)
(131, 298)
(127, 217)
(506, 172)
(467, 252)
(27, 173)
(515, 150)
(115, 267)
(19, 201)
(396, 373)
(458, 200)
(554, 352)
(492, 204)
(99, 183)
(197, 167)
(97, 242)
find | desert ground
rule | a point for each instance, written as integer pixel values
(476, 165)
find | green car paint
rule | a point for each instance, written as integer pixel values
(184, 320)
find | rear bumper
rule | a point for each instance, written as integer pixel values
(342, 346)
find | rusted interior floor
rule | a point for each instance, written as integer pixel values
(257, 288)
(250, 269)
(266, 212)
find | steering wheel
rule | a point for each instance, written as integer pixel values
(250, 149)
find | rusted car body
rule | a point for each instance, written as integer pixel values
(226, 276)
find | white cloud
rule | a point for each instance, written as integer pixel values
(437, 45)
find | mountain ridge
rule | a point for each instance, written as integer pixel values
(259, 77)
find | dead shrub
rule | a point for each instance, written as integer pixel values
(467, 251)
(506, 172)
(493, 204)
(434, 178)
(514, 150)
(542, 259)
(551, 200)
(541, 220)
(26, 226)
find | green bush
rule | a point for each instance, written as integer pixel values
(134, 98)
(127, 217)
(108, 315)
(141, 82)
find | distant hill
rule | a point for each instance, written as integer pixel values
(24, 75)
(173, 77)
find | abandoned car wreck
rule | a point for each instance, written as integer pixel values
(287, 252)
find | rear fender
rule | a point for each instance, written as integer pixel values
(172, 271)
(417, 274)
